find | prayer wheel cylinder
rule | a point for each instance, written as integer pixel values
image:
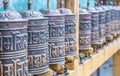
(38, 35)
(70, 29)
(56, 40)
(101, 25)
(95, 27)
(13, 44)
(108, 31)
(85, 32)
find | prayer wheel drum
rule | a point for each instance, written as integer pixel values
(13, 44)
(70, 29)
(94, 25)
(108, 31)
(101, 24)
(113, 21)
(85, 30)
(38, 35)
(118, 10)
(56, 36)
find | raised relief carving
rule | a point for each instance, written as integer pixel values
(57, 31)
(37, 37)
(1, 44)
(84, 40)
(1, 69)
(56, 51)
(9, 70)
(30, 61)
(85, 26)
(7, 43)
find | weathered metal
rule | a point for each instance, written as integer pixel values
(85, 30)
(113, 23)
(13, 43)
(56, 36)
(70, 29)
(108, 23)
(117, 28)
(101, 24)
(94, 25)
(38, 35)
(118, 9)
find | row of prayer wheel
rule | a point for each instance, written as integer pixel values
(98, 25)
(33, 40)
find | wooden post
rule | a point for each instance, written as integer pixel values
(116, 64)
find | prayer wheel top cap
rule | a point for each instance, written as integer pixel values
(65, 11)
(105, 8)
(91, 9)
(100, 9)
(84, 11)
(31, 14)
(50, 12)
(9, 15)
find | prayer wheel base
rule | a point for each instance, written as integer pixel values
(30, 74)
(49, 73)
(109, 38)
(95, 47)
(72, 65)
(58, 68)
(87, 51)
(118, 34)
(102, 42)
(114, 35)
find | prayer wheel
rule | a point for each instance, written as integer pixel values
(101, 25)
(95, 27)
(85, 32)
(13, 43)
(56, 39)
(108, 28)
(38, 36)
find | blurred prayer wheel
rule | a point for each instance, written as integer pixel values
(108, 28)
(85, 32)
(101, 25)
(95, 27)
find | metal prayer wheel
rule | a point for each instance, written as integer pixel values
(101, 24)
(70, 32)
(94, 25)
(38, 36)
(56, 36)
(13, 43)
(85, 30)
(113, 23)
(108, 23)
(118, 9)
(116, 20)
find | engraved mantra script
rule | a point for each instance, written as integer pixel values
(37, 37)
(37, 61)
(18, 68)
(14, 42)
(56, 51)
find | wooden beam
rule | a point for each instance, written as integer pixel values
(92, 64)
(116, 64)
